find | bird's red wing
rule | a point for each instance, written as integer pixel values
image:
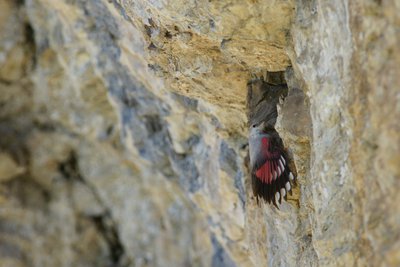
(273, 165)
(272, 172)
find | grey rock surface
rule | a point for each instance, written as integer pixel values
(123, 132)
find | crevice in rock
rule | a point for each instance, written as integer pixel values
(107, 228)
(264, 95)
(153, 124)
(30, 42)
(69, 168)
(104, 222)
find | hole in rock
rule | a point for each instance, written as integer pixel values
(271, 172)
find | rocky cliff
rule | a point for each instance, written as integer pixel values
(123, 132)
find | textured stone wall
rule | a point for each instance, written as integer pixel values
(348, 55)
(123, 132)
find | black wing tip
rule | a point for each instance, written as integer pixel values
(267, 192)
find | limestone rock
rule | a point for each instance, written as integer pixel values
(123, 132)
(8, 168)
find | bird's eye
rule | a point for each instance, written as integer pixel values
(254, 126)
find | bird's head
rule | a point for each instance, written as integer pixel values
(257, 128)
(261, 127)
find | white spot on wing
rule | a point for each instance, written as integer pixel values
(283, 192)
(291, 177)
(277, 196)
(287, 186)
(283, 159)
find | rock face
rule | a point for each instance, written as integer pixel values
(123, 132)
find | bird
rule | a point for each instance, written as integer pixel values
(271, 176)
